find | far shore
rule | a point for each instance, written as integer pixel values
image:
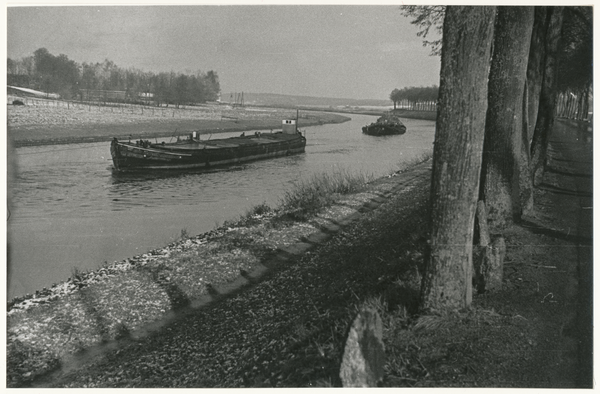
(49, 122)
(47, 125)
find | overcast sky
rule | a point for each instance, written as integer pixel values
(345, 51)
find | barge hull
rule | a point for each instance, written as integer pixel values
(129, 156)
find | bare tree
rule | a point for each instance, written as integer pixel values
(427, 17)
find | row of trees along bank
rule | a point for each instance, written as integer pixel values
(503, 70)
(415, 98)
(107, 82)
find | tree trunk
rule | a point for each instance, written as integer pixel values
(570, 106)
(525, 185)
(586, 102)
(535, 67)
(560, 104)
(488, 255)
(545, 117)
(501, 169)
(467, 38)
(580, 104)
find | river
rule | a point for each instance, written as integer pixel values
(67, 209)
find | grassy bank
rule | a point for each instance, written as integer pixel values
(56, 122)
(309, 197)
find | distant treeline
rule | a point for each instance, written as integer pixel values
(415, 98)
(107, 82)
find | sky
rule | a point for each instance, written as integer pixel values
(340, 51)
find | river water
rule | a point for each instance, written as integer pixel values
(68, 209)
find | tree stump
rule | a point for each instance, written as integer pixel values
(364, 353)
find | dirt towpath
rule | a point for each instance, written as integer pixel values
(569, 180)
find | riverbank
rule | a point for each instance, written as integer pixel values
(43, 122)
(403, 113)
(128, 300)
(279, 317)
(50, 122)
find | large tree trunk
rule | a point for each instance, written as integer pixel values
(467, 38)
(535, 67)
(531, 105)
(501, 169)
(545, 116)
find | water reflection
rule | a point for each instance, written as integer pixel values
(141, 176)
(198, 186)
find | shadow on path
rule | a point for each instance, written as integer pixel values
(575, 142)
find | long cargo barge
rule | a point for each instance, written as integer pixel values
(193, 153)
